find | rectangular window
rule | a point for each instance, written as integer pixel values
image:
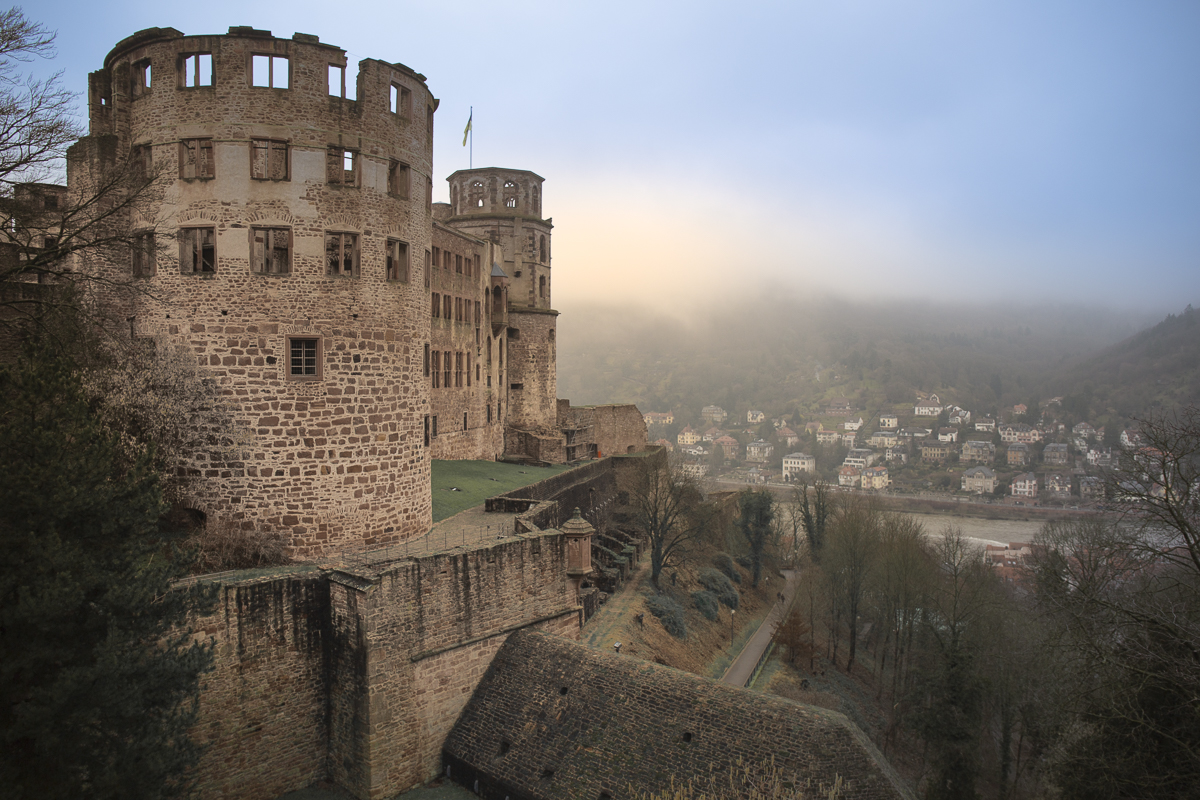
(437, 368)
(426, 360)
(141, 162)
(197, 251)
(427, 430)
(458, 264)
(435, 426)
(429, 122)
(464, 420)
(446, 308)
(398, 179)
(341, 254)
(489, 410)
(140, 76)
(341, 167)
(458, 309)
(478, 313)
(304, 358)
(268, 160)
(447, 259)
(458, 370)
(269, 71)
(429, 195)
(196, 159)
(468, 370)
(397, 260)
(271, 251)
(436, 306)
(339, 86)
(197, 70)
(476, 264)
(400, 101)
(427, 262)
(143, 255)
(446, 368)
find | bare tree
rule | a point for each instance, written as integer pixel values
(814, 515)
(668, 508)
(849, 557)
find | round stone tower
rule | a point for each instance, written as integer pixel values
(505, 207)
(289, 249)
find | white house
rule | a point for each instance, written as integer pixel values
(796, 463)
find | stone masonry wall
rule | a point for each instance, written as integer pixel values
(356, 676)
(555, 719)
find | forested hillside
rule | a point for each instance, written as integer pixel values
(787, 354)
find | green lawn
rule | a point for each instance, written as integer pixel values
(476, 481)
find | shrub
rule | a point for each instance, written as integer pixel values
(724, 562)
(744, 561)
(669, 613)
(223, 545)
(720, 586)
(706, 602)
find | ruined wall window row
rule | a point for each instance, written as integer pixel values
(341, 167)
(437, 368)
(196, 159)
(271, 251)
(397, 260)
(446, 307)
(198, 251)
(139, 75)
(341, 254)
(269, 160)
(339, 86)
(143, 255)
(446, 369)
(270, 71)
(399, 179)
(197, 70)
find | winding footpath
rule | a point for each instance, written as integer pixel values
(743, 666)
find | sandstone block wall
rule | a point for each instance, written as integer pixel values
(555, 719)
(356, 676)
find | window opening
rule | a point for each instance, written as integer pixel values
(303, 359)
(464, 428)
(436, 305)
(476, 200)
(542, 250)
(398, 179)
(542, 286)
(268, 160)
(446, 368)
(426, 360)
(271, 251)
(458, 370)
(458, 264)
(435, 426)
(141, 159)
(400, 100)
(197, 70)
(341, 167)
(446, 308)
(143, 254)
(338, 85)
(341, 254)
(427, 261)
(437, 368)
(141, 78)
(427, 430)
(197, 251)
(269, 71)
(196, 159)
(397, 260)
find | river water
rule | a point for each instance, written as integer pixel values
(983, 531)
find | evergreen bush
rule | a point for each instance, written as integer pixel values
(724, 562)
(669, 613)
(721, 586)
(706, 603)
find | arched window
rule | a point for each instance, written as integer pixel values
(510, 194)
(476, 196)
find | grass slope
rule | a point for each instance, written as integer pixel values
(459, 485)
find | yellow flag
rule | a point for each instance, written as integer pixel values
(467, 129)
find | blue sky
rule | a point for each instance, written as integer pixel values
(1026, 151)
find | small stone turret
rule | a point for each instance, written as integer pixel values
(579, 546)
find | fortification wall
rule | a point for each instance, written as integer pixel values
(532, 377)
(356, 676)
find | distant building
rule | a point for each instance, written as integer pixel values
(828, 437)
(898, 455)
(1019, 432)
(884, 439)
(985, 425)
(875, 478)
(713, 415)
(1056, 454)
(730, 446)
(712, 434)
(849, 439)
(1025, 485)
(1058, 485)
(657, 418)
(694, 469)
(849, 476)
(914, 433)
(1091, 488)
(787, 436)
(853, 424)
(839, 407)
(979, 451)
(960, 417)
(1085, 430)
(1100, 457)
(935, 451)
(755, 417)
(860, 457)
(947, 434)
(796, 463)
(980, 480)
(759, 451)
(1018, 454)
(687, 436)
(889, 422)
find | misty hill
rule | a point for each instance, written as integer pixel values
(1159, 367)
(785, 354)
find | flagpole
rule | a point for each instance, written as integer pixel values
(471, 151)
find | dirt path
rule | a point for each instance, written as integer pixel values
(608, 625)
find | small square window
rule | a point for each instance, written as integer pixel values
(270, 71)
(341, 167)
(197, 251)
(304, 358)
(271, 251)
(143, 253)
(196, 159)
(268, 160)
(397, 260)
(341, 254)
(197, 70)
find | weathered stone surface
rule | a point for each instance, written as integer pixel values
(555, 719)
